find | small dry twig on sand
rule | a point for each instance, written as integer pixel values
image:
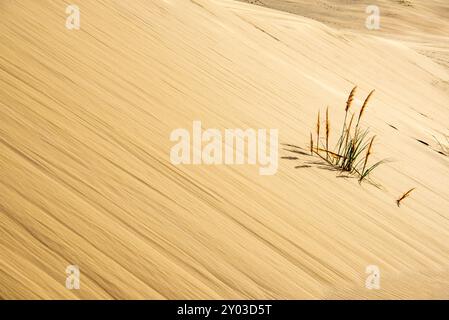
(405, 195)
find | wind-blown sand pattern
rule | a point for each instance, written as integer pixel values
(86, 179)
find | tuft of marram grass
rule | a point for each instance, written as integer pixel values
(354, 146)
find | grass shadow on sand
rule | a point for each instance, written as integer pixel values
(309, 161)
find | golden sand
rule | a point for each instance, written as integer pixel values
(85, 175)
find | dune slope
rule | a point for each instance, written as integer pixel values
(422, 25)
(85, 176)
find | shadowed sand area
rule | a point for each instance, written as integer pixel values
(85, 176)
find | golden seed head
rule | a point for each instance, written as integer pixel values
(311, 143)
(318, 124)
(365, 103)
(350, 98)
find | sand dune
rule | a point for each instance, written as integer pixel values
(85, 175)
(422, 25)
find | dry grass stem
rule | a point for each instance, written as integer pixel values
(405, 195)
